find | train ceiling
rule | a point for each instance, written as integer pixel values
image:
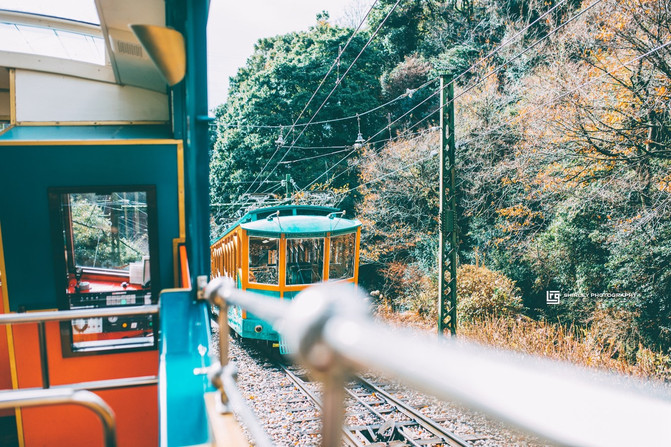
(91, 40)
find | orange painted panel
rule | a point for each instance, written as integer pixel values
(136, 409)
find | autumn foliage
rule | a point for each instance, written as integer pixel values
(564, 176)
(563, 157)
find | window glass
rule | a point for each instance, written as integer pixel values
(61, 44)
(78, 10)
(341, 262)
(305, 260)
(109, 230)
(105, 236)
(263, 260)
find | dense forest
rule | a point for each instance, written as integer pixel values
(563, 152)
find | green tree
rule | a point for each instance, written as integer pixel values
(272, 90)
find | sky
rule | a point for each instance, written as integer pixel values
(235, 25)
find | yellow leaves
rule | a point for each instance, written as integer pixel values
(665, 184)
(517, 217)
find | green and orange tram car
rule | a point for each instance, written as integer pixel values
(279, 251)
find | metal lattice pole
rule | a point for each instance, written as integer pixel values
(447, 245)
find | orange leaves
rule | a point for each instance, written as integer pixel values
(517, 217)
(664, 184)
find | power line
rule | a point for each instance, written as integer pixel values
(491, 53)
(338, 82)
(461, 94)
(407, 93)
(313, 157)
(356, 163)
(538, 106)
(335, 62)
(518, 55)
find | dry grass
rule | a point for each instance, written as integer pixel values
(586, 347)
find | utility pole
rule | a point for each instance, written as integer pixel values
(447, 245)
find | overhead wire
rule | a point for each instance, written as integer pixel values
(511, 60)
(338, 82)
(314, 156)
(407, 93)
(480, 81)
(496, 50)
(434, 94)
(518, 117)
(352, 117)
(333, 65)
(408, 139)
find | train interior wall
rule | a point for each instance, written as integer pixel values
(28, 281)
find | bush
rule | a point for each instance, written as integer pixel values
(483, 293)
(407, 288)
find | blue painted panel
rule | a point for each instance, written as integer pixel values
(26, 172)
(291, 295)
(72, 133)
(246, 328)
(185, 326)
(301, 226)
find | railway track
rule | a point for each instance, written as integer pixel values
(375, 417)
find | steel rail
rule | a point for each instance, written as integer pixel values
(37, 398)
(449, 438)
(407, 436)
(349, 439)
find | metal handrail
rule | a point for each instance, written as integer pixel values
(65, 315)
(328, 327)
(38, 398)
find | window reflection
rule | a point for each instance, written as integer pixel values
(263, 257)
(341, 262)
(305, 260)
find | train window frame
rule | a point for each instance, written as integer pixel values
(271, 256)
(287, 263)
(352, 258)
(146, 292)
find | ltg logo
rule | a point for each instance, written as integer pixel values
(552, 297)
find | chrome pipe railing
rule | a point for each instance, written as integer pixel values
(107, 384)
(37, 398)
(328, 328)
(223, 374)
(65, 315)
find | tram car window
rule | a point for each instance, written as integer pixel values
(305, 260)
(104, 245)
(341, 262)
(263, 260)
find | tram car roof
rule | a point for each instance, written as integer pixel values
(295, 221)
